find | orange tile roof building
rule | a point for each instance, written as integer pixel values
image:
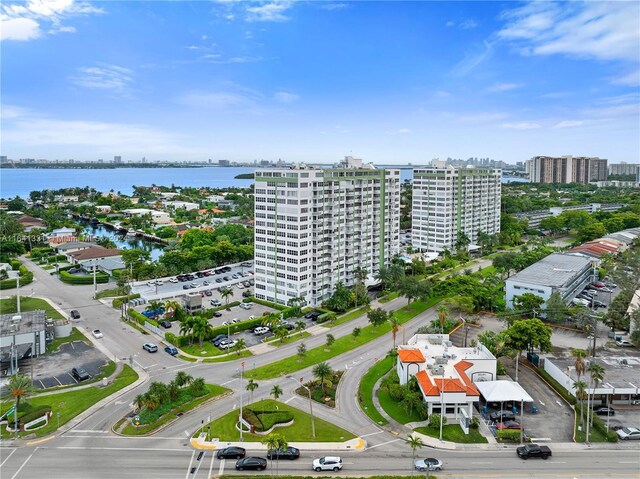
(445, 373)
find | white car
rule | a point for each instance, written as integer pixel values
(228, 345)
(215, 302)
(428, 464)
(245, 305)
(260, 330)
(97, 333)
(627, 433)
(173, 280)
(327, 463)
(240, 286)
(624, 343)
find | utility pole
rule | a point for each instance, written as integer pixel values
(442, 408)
(18, 293)
(241, 424)
(95, 285)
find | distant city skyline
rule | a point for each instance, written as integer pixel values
(388, 82)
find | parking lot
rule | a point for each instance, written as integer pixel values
(54, 369)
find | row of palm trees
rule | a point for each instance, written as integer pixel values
(582, 388)
(161, 393)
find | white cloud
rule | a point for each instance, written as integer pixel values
(568, 124)
(216, 100)
(630, 79)
(286, 97)
(268, 12)
(23, 21)
(600, 30)
(19, 29)
(556, 94)
(334, 6)
(473, 59)
(522, 125)
(468, 24)
(499, 87)
(399, 131)
(450, 24)
(103, 77)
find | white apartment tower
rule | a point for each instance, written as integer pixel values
(315, 226)
(449, 200)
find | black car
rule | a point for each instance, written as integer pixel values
(599, 304)
(246, 294)
(218, 280)
(503, 416)
(80, 374)
(232, 452)
(75, 314)
(216, 341)
(208, 293)
(256, 463)
(165, 324)
(217, 314)
(604, 411)
(288, 453)
(226, 278)
(185, 286)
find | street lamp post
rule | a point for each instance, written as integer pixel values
(442, 407)
(313, 424)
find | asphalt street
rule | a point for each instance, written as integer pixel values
(91, 450)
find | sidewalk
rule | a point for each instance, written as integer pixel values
(357, 444)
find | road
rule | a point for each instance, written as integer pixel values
(91, 450)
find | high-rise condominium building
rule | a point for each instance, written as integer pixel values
(448, 201)
(567, 169)
(315, 226)
(623, 168)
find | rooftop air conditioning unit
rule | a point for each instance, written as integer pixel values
(441, 360)
(447, 343)
(438, 370)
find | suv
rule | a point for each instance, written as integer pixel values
(245, 305)
(152, 348)
(80, 374)
(260, 330)
(75, 314)
(604, 410)
(215, 302)
(171, 350)
(327, 463)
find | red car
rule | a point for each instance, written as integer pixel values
(508, 425)
(598, 284)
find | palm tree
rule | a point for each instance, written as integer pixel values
(225, 293)
(151, 402)
(322, 371)
(198, 386)
(361, 275)
(442, 316)
(186, 327)
(173, 391)
(182, 379)
(239, 346)
(300, 326)
(276, 392)
(281, 333)
(415, 442)
(20, 387)
(153, 308)
(252, 386)
(140, 401)
(597, 376)
(159, 390)
(171, 306)
(201, 328)
(581, 395)
(395, 327)
(275, 441)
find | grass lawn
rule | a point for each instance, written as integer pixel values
(326, 396)
(347, 317)
(70, 404)
(395, 410)
(108, 293)
(207, 349)
(389, 297)
(273, 341)
(365, 390)
(245, 353)
(74, 336)
(342, 344)
(224, 428)
(454, 433)
(187, 358)
(214, 391)
(29, 304)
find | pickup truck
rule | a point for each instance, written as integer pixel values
(533, 450)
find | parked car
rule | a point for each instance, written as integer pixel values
(97, 333)
(227, 344)
(260, 330)
(624, 343)
(218, 338)
(241, 286)
(185, 286)
(218, 280)
(428, 464)
(226, 278)
(217, 314)
(234, 276)
(232, 452)
(256, 463)
(151, 347)
(610, 285)
(288, 453)
(598, 284)
(598, 304)
(173, 280)
(245, 305)
(627, 433)
(208, 293)
(193, 285)
(604, 410)
(215, 302)
(165, 324)
(171, 350)
(327, 463)
(503, 416)
(508, 425)
(246, 294)
(205, 283)
(80, 374)
(74, 314)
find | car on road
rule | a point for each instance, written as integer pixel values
(171, 350)
(533, 450)
(185, 286)
(260, 330)
(628, 433)
(624, 343)
(255, 463)
(165, 324)
(151, 347)
(193, 285)
(74, 314)
(327, 463)
(601, 410)
(97, 333)
(428, 464)
(245, 305)
(290, 453)
(80, 374)
(232, 452)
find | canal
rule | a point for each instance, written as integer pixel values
(124, 242)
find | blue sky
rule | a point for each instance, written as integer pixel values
(391, 82)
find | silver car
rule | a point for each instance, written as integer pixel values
(428, 464)
(627, 433)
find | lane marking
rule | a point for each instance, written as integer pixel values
(372, 433)
(7, 458)
(190, 462)
(116, 448)
(289, 400)
(213, 458)
(384, 443)
(88, 430)
(221, 470)
(24, 464)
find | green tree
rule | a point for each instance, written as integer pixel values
(377, 317)
(341, 299)
(356, 332)
(590, 232)
(330, 340)
(556, 309)
(415, 442)
(251, 387)
(186, 326)
(239, 346)
(300, 325)
(183, 379)
(443, 312)
(459, 304)
(20, 387)
(225, 294)
(276, 392)
(462, 241)
(527, 334)
(154, 309)
(504, 263)
(322, 371)
(274, 442)
(527, 304)
(281, 333)
(597, 373)
(302, 350)
(201, 329)
(412, 288)
(395, 327)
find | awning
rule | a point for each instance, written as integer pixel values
(502, 391)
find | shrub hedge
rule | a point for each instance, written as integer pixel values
(26, 276)
(512, 435)
(281, 307)
(69, 278)
(263, 420)
(140, 318)
(120, 300)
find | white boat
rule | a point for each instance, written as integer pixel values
(131, 234)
